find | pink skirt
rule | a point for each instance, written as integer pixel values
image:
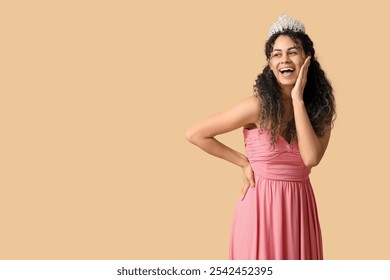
(277, 220)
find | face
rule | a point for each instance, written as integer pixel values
(286, 60)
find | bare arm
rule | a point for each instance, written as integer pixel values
(202, 134)
(311, 147)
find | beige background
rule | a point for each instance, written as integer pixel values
(96, 97)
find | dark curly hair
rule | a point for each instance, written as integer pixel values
(318, 94)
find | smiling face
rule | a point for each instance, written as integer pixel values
(286, 60)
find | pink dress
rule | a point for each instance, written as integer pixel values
(276, 220)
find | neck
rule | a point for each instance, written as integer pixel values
(286, 92)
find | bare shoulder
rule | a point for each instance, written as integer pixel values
(252, 104)
(250, 107)
(252, 100)
(245, 113)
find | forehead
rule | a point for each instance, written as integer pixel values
(284, 42)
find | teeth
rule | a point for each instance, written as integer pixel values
(284, 70)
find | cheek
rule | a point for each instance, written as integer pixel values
(302, 60)
(272, 67)
(299, 63)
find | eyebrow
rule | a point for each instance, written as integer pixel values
(279, 50)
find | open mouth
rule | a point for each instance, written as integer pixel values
(286, 71)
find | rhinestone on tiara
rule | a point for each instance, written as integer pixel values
(286, 23)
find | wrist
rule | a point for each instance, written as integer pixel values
(245, 164)
(298, 102)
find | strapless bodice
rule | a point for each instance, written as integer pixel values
(279, 162)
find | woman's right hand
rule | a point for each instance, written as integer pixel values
(249, 180)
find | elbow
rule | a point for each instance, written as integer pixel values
(311, 161)
(196, 136)
(191, 135)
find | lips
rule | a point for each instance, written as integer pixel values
(286, 71)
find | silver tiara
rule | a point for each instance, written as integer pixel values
(286, 23)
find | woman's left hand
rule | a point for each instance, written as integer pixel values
(297, 91)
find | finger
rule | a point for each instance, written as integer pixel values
(306, 68)
(306, 64)
(251, 181)
(244, 191)
(303, 71)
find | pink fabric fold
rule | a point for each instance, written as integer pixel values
(276, 220)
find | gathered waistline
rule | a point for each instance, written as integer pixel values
(305, 179)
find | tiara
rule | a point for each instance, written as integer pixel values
(285, 22)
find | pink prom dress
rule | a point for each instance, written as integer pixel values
(277, 219)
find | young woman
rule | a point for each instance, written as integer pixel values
(286, 126)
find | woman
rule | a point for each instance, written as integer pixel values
(286, 127)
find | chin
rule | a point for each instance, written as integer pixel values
(287, 83)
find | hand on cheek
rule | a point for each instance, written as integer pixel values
(297, 91)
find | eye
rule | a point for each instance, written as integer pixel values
(276, 54)
(293, 53)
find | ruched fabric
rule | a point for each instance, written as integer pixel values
(276, 220)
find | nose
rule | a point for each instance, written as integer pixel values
(285, 58)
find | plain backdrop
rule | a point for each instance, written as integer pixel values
(96, 97)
